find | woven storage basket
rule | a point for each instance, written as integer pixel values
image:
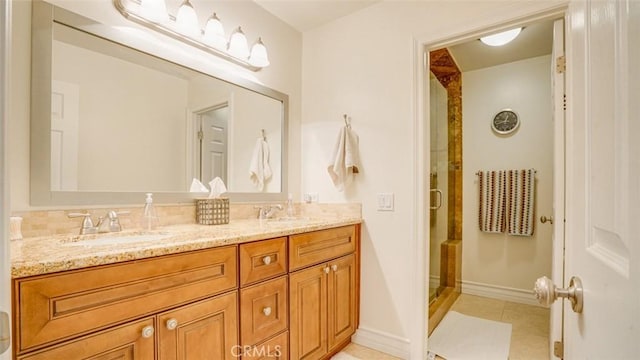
(212, 211)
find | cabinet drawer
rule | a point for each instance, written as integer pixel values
(123, 342)
(65, 305)
(263, 310)
(262, 260)
(276, 348)
(318, 246)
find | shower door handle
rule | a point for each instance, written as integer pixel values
(439, 199)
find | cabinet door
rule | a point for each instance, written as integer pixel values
(205, 330)
(308, 309)
(124, 342)
(342, 300)
(263, 311)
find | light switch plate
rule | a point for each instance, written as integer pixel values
(385, 201)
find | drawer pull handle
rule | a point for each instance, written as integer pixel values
(266, 260)
(266, 311)
(334, 267)
(172, 324)
(326, 270)
(147, 331)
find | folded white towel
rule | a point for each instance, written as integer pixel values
(260, 170)
(346, 159)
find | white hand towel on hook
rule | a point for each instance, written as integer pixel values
(346, 159)
(260, 170)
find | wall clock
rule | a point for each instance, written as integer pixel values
(505, 122)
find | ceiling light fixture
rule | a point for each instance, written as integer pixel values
(502, 38)
(185, 27)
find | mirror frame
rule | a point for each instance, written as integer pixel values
(43, 17)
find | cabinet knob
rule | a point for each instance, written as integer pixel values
(147, 331)
(334, 267)
(326, 270)
(266, 260)
(172, 324)
(266, 311)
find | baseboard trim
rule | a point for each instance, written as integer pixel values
(499, 292)
(381, 341)
(434, 281)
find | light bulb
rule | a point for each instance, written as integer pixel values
(154, 10)
(502, 38)
(187, 20)
(259, 56)
(238, 45)
(214, 33)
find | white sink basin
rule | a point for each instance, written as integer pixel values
(116, 239)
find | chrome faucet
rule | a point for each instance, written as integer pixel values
(108, 223)
(267, 211)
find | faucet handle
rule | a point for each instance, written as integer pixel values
(87, 223)
(114, 220)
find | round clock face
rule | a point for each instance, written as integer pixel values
(505, 122)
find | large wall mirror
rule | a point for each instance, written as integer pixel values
(110, 122)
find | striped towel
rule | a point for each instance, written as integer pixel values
(521, 202)
(493, 193)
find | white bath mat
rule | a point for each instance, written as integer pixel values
(460, 337)
(343, 356)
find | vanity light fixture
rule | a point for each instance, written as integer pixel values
(187, 20)
(501, 38)
(185, 27)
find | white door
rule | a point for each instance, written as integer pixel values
(213, 146)
(603, 179)
(5, 264)
(558, 83)
(64, 136)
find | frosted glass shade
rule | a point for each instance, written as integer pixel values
(154, 10)
(259, 56)
(214, 33)
(238, 46)
(502, 38)
(187, 20)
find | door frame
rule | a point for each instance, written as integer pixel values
(5, 268)
(420, 261)
(193, 122)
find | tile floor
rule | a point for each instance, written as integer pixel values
(530, 327)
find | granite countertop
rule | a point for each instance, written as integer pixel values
(43, 255)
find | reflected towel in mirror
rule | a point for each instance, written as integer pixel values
(346, 159)
(260, 170)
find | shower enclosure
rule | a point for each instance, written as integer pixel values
(445, 185)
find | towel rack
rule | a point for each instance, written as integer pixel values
(534, 171)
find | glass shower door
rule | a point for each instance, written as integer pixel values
(438, 183)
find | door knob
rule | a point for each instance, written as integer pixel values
(546, 292)
(544, 219)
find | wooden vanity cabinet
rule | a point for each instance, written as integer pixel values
(98, 309)
(323, 297)
(291, 297)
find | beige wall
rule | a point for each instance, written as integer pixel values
(513, 262)
(283, 42)
(364, 65)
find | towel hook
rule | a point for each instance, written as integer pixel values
(347, 121)
(264, 137)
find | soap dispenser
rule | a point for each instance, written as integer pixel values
(150, 218)
(290, 210)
